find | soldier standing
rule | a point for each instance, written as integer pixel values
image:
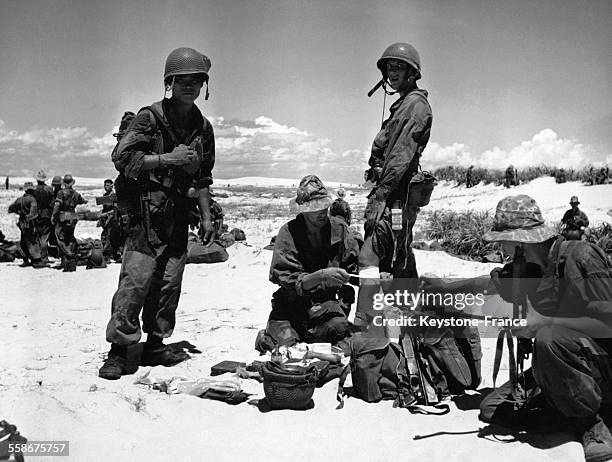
(469, 177)
(27, 210)
(394, 161)
(44, 200)
(509, 178)
(341, 208)
(112, 230)
(56, 184)
(65, 219)
(165, 163)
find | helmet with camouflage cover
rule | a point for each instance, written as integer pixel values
(519, 219)
(402, 52)
(56, 181)
(183, 61)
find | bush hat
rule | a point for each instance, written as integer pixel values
(519, 219)
(41, 176)
(574, 200)
(311, 196)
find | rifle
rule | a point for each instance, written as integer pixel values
(145, 201)
(519, 310)
(111, 199)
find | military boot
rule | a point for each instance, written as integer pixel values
(596, 439)
(155, 353)
(115, 364)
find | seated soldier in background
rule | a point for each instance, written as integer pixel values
(26, 208)
(574, 221)
(313, 256)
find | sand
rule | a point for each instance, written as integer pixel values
(53, 344)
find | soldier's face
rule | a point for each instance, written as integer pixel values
(534, 252)
(108, 187)
(397, 74)
(187, 88)
(317, 218)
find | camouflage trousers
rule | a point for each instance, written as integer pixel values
(44, 232)
(148, 281)
(30, 242)
(573, 373)
(404, 264)
(65, 240)
(112, 238)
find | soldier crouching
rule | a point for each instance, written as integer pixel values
(313, 256)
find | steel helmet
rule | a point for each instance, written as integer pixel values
(402, 52)
(186, 61)
(68, 180)
(56, 181)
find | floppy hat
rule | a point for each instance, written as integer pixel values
(311, 196)
(574, 200)
(519, 219)
(28, 185)
(41, 176)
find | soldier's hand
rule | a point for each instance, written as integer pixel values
(333, 277)
(207, 232)
(373, 213)
(180, 155)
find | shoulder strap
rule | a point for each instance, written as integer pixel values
(156, 110)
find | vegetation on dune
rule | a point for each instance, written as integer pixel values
(587, 174)
(460, 233)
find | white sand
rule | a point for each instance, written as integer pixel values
(53, 343)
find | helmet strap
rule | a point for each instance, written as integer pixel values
(168, 86)
(207, 95)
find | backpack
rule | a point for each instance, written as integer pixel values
(560, 283)
(384, 370)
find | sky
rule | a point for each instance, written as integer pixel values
(518, 82)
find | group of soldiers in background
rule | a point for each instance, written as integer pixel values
(47, 218)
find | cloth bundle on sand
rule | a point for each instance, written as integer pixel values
(199, 253)
(227, 388)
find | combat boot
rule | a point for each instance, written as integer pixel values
(115, 364)
(596, 439)
(155, 353)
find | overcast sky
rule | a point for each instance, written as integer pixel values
(520, 81)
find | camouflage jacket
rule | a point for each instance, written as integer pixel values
(25, 207)
(151, 133)
(400, 142)
(44, 199)
(579, 271)
(68, 199)
(575, 219)
(294, 257)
